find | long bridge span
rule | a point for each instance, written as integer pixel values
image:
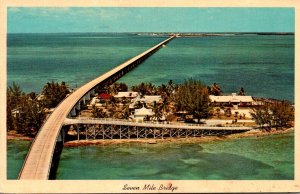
(38, 162)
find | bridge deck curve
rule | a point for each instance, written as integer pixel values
(37, 164)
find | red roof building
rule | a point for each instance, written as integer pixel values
(104, 96)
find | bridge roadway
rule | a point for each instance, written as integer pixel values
(107, 121)
(37, 164)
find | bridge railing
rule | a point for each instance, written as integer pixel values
(166, 123)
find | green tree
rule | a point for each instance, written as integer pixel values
(158, 111)
(262, 115)
(9, 112)
(145, 89)
(14, 93)
(98, 113)
(117, 87)
(54, 93)
(193, 96)
(276, 114)
(282, 113)
(215, 89)
(29, 116)
(242, 92)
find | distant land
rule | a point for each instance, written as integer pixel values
(192, 34)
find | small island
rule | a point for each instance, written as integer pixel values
(191, 103)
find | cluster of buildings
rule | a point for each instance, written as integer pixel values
(142, 107)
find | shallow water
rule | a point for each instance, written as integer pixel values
(263, 158)
(16, 153)
(254, 158)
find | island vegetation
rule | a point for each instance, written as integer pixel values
(187, 102)
(27, 112)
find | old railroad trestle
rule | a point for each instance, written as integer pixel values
(88, 128)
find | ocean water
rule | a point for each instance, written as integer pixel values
(263, 158)
(254, 158)
(263, 65)
(35, 59)
(16, 153)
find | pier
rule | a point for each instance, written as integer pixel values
(104, 128)
(41, 156)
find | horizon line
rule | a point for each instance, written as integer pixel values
(265, 32)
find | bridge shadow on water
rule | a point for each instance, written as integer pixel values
(55, 160)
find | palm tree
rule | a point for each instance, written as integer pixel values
(242, 92)
(157, 112)
(54, 93)
(215, 89)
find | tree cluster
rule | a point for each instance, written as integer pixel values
(26, 112)
(277, 114)
(193, 96)
(53, 93)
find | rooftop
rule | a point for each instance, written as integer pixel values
(231, 98)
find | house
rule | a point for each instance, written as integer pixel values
(141, 114)
(104, 96)
(231, 100)
(126, 95)
(149, 100)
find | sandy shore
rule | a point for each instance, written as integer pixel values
(12, 135)
(253, 133)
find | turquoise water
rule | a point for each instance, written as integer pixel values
(255, 158)
(243, 159)
(35, 59)
(263, 65)
(16, 153)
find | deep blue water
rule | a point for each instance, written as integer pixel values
(263, 65)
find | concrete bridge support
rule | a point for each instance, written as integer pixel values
(77, 105)
(73, 112)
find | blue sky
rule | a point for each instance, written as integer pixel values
(118, 19)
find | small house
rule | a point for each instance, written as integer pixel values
(141, 114)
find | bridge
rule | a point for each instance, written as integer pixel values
(38, 162)
(107, 128)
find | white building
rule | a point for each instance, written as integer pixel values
(232, 99)
(126, 95)
(140, 114)
(145, 99)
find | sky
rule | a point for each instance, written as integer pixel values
(122, 19)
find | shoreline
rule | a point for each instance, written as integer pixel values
(204, 139)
